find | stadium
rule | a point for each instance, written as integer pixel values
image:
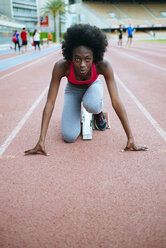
(145, 16)
(107, 191)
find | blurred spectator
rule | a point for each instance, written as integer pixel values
(120, 31)
(130, 31)
(16, 41)
(36, 39)
(24, 39)
(153, 34)
(49, 38)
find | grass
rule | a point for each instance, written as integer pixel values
(156, 41)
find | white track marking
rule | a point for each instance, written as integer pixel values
(155, 53)
(143, 61)
(153, 122)
(135, 45)
(29, 112)
(143, 110)
(7, 142)
(13, 134)
(19, 69)
(162, 55)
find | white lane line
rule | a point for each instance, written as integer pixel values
(149, 52)
(143, 61)
(7, 142)
(143, 110)
(19, 69)
(135, 45)
(13, 134)
(157, 53)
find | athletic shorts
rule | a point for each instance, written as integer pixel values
(130, 36)
(24, 43)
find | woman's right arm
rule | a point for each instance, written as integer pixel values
(58, 73)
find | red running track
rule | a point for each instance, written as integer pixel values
(87, 194)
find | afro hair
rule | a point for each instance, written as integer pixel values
(84, 35)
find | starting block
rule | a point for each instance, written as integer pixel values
(87, 125)
(87, 121)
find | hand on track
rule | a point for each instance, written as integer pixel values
(131, 146)
(38, 149)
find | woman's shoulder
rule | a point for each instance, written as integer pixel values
(62, 67)
(103, 66)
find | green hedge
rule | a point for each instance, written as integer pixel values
(44, 35)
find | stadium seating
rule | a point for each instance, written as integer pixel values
(139, 15)
(156, 8)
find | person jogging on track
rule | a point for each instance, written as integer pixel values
(83, 50)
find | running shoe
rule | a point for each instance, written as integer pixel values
(100, 122)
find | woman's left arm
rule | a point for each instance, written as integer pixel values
(107, 72)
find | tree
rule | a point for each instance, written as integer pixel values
(55, 7)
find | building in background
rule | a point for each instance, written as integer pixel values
(14, 15)
(7, 25)
(45, 21)
(24, 12)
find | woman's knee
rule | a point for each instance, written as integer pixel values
(70, 137)
(92, 100)
(94, 107)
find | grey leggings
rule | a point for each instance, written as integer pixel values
(92, 102)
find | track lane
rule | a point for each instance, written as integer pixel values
(6, 56)
(25, 82)
(85, 193)
(12, 62)
(158, 53)
(149, 46)
(156, 62)
(140, 78)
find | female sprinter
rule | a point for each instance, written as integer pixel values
(83, 50)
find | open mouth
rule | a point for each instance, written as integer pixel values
(83, 71)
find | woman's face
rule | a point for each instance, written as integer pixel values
(82, 59)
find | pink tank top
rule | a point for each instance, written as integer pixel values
(72, 79)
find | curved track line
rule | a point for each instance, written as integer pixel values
(13, 134)
(145, 62)
(143, 110)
